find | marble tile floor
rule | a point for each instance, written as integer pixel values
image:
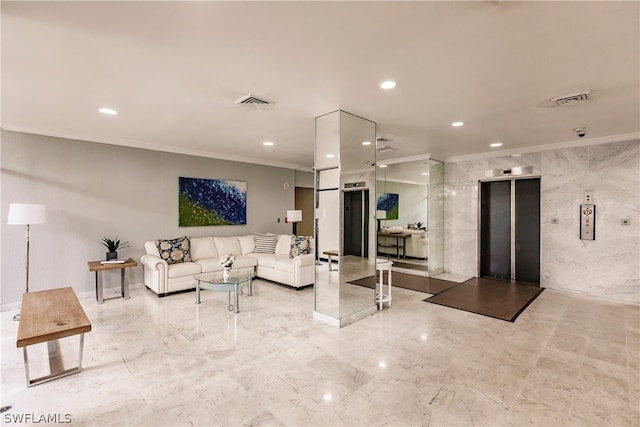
(567, 360)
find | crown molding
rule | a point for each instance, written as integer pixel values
(162, 148)
(546, 147)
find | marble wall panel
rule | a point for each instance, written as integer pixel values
(607, 267)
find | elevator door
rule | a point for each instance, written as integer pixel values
(495, 229)
(510, 243)
(356, 223)
(527, 226)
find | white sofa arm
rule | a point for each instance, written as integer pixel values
(302, 260)
(155, 273)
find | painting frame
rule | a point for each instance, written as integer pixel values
(206, 202)
(390, 203)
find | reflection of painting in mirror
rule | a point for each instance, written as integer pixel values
(388, 202)
(211, 202)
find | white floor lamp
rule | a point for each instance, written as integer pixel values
(26, 214)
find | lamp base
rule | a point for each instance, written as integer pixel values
(16, 318)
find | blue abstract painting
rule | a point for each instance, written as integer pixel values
(388, 202)
(211, 202)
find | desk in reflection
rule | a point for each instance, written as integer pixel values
(397, 245)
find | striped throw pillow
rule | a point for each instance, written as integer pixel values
(265, 243)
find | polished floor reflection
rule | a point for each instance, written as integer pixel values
(567, 360)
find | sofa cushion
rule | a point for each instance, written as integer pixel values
(174, 251)
(247, 244)
(151, 249)
(283, 263)
(265, 243)
(394, 229)
(300, 245)
(266, 260)
(184, 269)
(203, 247)
(284, 244)
(245, 261)
(210, 264)
(228, 245)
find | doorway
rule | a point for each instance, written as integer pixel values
(510, 230)
(356, 223)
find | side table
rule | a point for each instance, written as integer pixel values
(383, 265)
(98, 267)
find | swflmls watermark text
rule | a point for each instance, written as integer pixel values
(33, 418)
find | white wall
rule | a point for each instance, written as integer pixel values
(95, 190)
(607, 267)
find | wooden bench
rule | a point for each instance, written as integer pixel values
(46, 316)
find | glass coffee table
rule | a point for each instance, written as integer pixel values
(216, 282)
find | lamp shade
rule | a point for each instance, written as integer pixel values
(26, 213)
(381, 214)
(294, 216)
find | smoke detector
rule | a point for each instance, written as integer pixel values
(254, 101)
(570, 99)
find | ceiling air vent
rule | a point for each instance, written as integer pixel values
(570, 99)
(384, 149)
(253, 101)
(381, 146)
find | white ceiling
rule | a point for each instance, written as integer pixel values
(173, 70)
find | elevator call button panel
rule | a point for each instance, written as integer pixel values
(588, 222)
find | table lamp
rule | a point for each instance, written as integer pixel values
(380, 215)
(294, 217)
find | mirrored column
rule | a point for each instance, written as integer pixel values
(345, 217)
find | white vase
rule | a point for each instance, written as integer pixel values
(226, 274)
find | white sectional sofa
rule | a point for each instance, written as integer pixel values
(205, 252)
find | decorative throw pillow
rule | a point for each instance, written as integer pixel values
(174, 251)
(299, 246)
(265, 243)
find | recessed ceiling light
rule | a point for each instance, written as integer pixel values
(366, 142)
(267, 143)
(388, 84)
(457, 124)
(425, 173)
(109, 111)
(327, 397)
(383, 166)
(330, 156)
(495, 144)
(516, 155)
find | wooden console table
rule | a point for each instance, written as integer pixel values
(397, 236)
(98, 267)
(46, 316)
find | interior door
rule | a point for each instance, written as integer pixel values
(495, 229)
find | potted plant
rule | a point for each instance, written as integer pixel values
(113, 246)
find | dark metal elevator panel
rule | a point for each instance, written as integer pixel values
(527, 242)
(356, 223)
(495, 229)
